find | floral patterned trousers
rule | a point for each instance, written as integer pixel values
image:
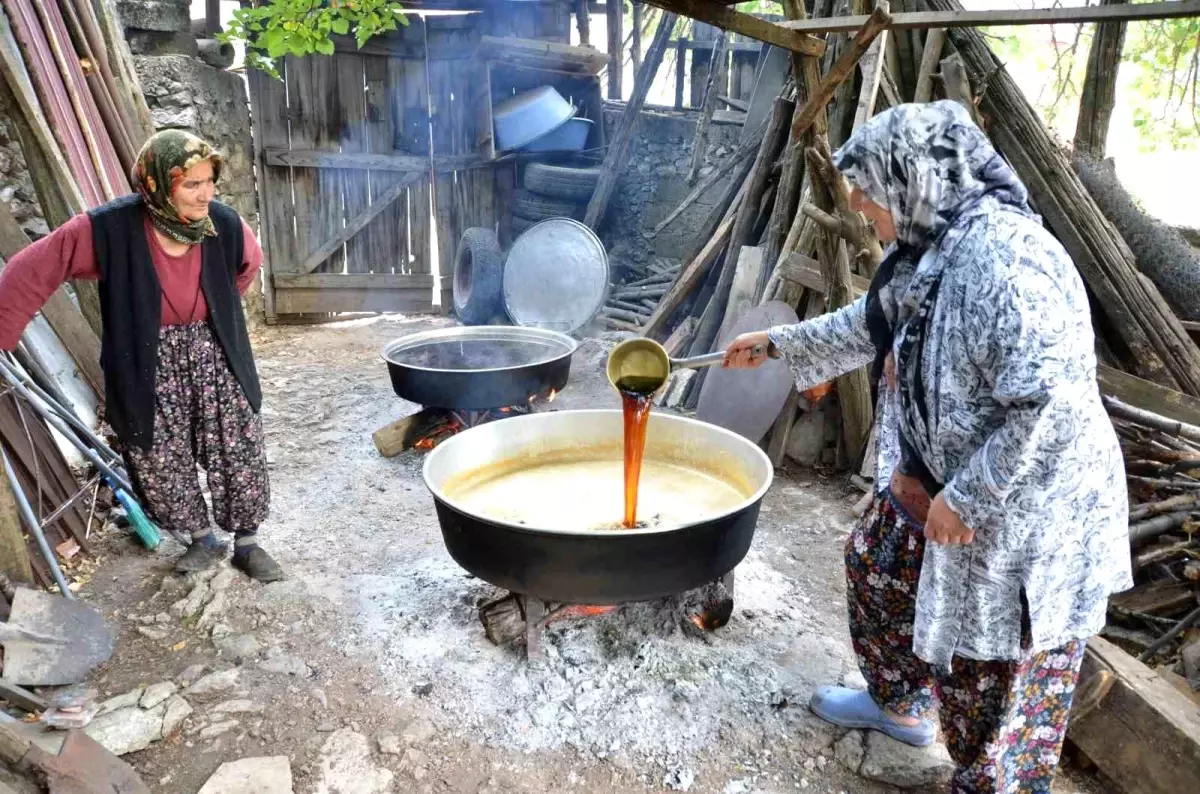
(1003, 721)
(202, 418)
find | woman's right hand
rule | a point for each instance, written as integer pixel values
(748, 351)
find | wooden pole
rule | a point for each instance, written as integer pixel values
(929, 61)
(1100, 87)
(716, 86)
(618, 148)
(583, 22)
(14, 552)
(615, 13)
(745, 24)
(841, 71)
(872, 66)
(636, 50)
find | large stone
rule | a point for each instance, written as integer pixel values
(162, 15)
(121, 702)
(347, 766)
(156, 42)
(238, 646)
(849, 751)
(267, 775)
(897, 764)
(129, 729)
(807, 441)
(178, 710)
(156, 693)
(215, 682)
(284, 664)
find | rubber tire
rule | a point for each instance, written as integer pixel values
(559, 181)
(533, 207)
(521, 225)
(478, 277)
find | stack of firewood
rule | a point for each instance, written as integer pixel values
(1160, 618)
(630, 306)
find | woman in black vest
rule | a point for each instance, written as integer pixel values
(181, 387)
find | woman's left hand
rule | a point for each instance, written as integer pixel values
(944, 526)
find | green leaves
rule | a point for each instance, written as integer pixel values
(272, 29)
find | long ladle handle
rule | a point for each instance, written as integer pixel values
(710, 359)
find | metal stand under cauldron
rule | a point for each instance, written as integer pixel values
(513, 616)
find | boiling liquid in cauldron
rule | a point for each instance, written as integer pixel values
(636, 396)
(475, 354)
(581, 490)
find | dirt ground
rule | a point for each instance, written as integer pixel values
(375, 633)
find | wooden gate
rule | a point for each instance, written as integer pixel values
(368, 168)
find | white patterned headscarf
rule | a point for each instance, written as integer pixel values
(928, 164)
(936, 172)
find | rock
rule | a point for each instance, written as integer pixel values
(328, 726)
(347, 767)
(281, 663)
(224, 578)
(162, 619)
(189, 606)
(156, 693)
(162, 15)
(213, 612)
(269, 775)
(155, 42)
(238, 646)
(177, 711)
(215, 682)
(854, 680)
(320, 696)
(849, 751)
(423, 689)
(807, 442)
(189, 675)
(390, 744)
(680, 779)
(121, 702)
(218, 729)
(128, 730)
(238, 707)
(419, 731)
(156, 633)
(895, 763)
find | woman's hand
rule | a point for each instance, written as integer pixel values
(944, 526)
(748, 351)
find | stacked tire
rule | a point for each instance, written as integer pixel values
(552, 191)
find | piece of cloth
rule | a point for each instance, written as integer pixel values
(131, 317)
(1012, 424)
(31, 277)
(161, 165)
(202, 419)
(1003, 721)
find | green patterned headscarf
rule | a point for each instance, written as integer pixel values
(161, 165)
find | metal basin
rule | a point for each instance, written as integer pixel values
(601, 566)
(473, 369)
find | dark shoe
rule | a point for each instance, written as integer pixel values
(257, 564)
(201, 557)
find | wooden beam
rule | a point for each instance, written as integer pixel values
(354, 281)
(1150, 396)
(932, 56)
(842, 70)
(1005, 17)
(872, 76)
(1142, 733)
(615, 13)
(716, 84)
(1099, 93)
(14, 552)
(354, 226)
(737, 22)
(403, 163)
(618, 147)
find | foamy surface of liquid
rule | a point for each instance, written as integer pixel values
(589, 494)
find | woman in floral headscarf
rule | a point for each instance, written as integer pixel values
(181, 386)
(999, 524)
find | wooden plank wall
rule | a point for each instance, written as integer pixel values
(401, 94)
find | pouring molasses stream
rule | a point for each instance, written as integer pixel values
(638, 369)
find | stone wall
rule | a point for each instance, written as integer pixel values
(16, 186)
(655, 182)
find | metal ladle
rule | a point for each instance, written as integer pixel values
(647, 361)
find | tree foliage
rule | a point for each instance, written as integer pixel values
(271, 29)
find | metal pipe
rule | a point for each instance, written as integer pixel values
(35, 528)
(67, 432)
(67, 414)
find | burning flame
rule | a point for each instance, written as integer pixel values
(580, 611)
(553, 394)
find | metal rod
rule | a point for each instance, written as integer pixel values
(66, 413)
(35, 528)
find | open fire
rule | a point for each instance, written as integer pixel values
(429, 427)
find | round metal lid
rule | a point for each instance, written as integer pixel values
(555, 276)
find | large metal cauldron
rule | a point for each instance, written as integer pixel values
(597, 566)
(474, 369)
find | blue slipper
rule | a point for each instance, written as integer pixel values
(854, 708)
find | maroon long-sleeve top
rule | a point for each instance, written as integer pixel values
(67, 254)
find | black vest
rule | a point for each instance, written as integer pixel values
(131, 311)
